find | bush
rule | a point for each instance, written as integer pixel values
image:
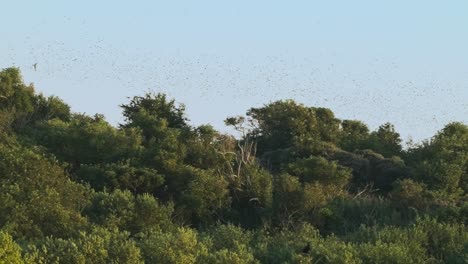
(97, 246)
(180, 246)
(10, 252)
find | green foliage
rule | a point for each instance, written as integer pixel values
(410, 194)
(387, 253)
(180, 246)
(298, 186)
(228, 244)
(328, 124)
(97, 246)
(16, 97)
(142, 111)
(391, 244)
(26, 107)
(251, 192)
(87, 140)
(371, 168)
(287, 198)
(203, 146)
(385, 141)
(14, 94)
(163, 126)
(241, 256)
(287, 247)
(37, 196)
(124, 211)
(285, 124)
(10, 252)
(345, 215)
(121, 175)
(229, 237)
(318, 169)
(259, 185)
(353, 135)
(206, 195)
(313, 184)
(443, 161)
(446, 242)
(51, 107)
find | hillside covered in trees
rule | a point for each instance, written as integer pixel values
(298, 186)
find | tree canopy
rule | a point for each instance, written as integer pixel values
(156, 189)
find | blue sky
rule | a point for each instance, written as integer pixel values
(405, 62)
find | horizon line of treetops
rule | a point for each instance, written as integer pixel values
(298, 186)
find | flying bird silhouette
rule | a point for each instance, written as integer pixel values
(35, 66)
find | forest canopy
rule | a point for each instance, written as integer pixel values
(299, 185)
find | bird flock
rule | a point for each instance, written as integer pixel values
(373, 92)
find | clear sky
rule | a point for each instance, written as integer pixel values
(405, 62)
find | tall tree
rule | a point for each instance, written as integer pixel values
(385, 141)
(353, 135)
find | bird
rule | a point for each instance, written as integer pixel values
(35, 66)
(306, 249)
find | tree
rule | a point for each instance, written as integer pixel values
(13, 92)
(410, 194)
(207, 194)
(353, 135)
(442, 162)
(285, 130)
(284, 124)
(47, 108)
(203, 146)
(297, 185)
(385, 141)
(150, 110)
(10, 252)
(287, 199)
(383, 172)
(164, 129)
(124, 211)
(328, 124)
(228, 244)
(180, 246)
(318, 169)
(87, 140)
(122, 175)
(96, 246)
(16, 97)
(38, 198)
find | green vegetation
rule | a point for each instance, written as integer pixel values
(75, 189)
